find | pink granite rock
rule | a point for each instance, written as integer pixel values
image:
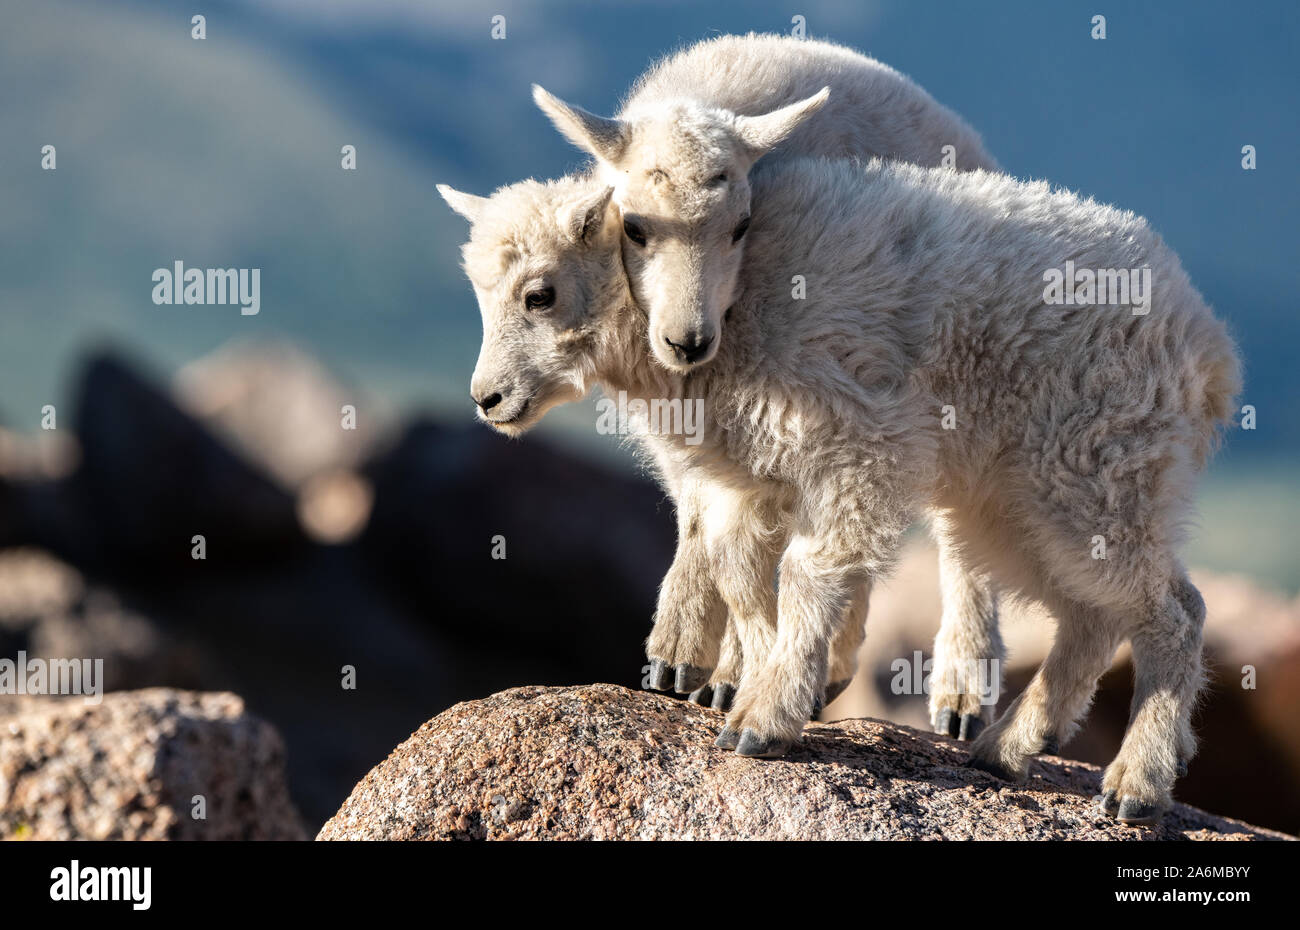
(604, 762)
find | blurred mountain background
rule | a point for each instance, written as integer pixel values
(225, 152)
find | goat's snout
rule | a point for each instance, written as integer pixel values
(486, 401)
(692, 347)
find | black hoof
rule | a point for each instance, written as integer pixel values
(971, 724)
(702, 696)
(1051, 746)
(992, 768)
(1133, 811)
(758, 747)
(690, 677)
(727, 739)
(836, 688)
(661, 675)
(723, 694)
(816, 708)
(947, 723)
(1109, 803)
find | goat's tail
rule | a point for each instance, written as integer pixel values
(1219, 371)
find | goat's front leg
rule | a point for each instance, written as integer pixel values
(691, 616)
(744, 535)
(721, 689)
(836, 549)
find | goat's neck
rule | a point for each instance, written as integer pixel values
(624, 361)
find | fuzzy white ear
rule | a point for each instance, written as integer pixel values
(604, 138)
(469, 206)
(761, 133)
(582, 219)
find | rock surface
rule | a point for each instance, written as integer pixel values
(129, 769)
(603, 762)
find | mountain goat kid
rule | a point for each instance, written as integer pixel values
(679, 152)
(678, 156)
(1077, 421)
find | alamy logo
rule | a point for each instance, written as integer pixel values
(53, 676)
(1128, 287)
(75, 883)
(656, 417)
(979, 677)
(181, 285)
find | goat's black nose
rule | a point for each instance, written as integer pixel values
(690, 349)
(487, 403)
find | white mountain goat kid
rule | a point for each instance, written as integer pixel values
(678, 156)
(1075, 422)
(679, 152)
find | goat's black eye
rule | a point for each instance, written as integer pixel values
(719, 178)
(634, 232)
(539, 299)
(740, 230)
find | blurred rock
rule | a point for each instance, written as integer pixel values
(11, 532)
(30, 461)
(46, 455)
(48, 611)
(281, 639)
(585, 550)
(281, 409)
(603, 762)
(152, 478)
(334, 507)
(34, 585)
(131, 768)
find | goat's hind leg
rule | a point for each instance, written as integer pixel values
(1138, 784)
(1058, 695)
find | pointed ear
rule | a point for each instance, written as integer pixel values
(761, 133)
(604, 138)
(467, 205)
(582, 220)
